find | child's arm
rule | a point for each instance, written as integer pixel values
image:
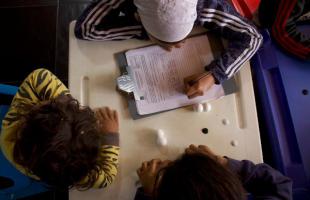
(109, 125)
(109, 20)
(109, 156)
(288, 36)
(243, 38)
(39, 86)
(261, 180)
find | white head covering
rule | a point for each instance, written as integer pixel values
(167, 20)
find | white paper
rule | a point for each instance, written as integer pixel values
(160, 74)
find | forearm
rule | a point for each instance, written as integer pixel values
(243, 41)
(103, 20)
(108, 159)
(242, 46)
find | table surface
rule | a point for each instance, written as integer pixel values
(92, 80)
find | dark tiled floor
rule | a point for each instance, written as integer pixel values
(68, 10)
(34, 33)
(28, 42)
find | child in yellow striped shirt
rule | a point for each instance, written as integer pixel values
(48, 136)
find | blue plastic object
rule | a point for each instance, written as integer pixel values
(283, 89)
(23, 185)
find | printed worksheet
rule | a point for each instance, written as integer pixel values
(159, 74)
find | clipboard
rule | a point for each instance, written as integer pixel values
(127, 84)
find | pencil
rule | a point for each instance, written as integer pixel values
(192, 82)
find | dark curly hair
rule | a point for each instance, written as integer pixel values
(197, 177)
(60, 142)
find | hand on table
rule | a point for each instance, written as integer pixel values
(197, 84)
(202, 149)
(148, 173)
(107, 120)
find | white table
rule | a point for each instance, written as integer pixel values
(95, 63)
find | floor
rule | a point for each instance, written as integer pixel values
(34, 34)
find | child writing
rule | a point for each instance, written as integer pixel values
(199, 174)
(48, 136)
(168, 23)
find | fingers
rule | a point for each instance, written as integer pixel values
(100, 113)
(196, 84)
(204, 148)
(169, 47)
(165, 163)
(154, 164)
(178, 45)
(198, 149)
(107, 120)
(196, 94)
(191, 149)
(193, 91)
(188, 79)
(191, 85)
(166, 47)
(142, 168)
(106, 113)
(151, 165)
(115, 116)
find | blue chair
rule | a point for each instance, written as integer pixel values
(22, 186)
(282, 90)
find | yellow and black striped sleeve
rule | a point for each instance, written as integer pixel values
(110, 157)
(40, 85)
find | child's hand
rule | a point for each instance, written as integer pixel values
(202, 149)
(107, 120)
(197, 84)
(168, 46)
(148, 173)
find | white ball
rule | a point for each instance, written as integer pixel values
(207, 107)
(198, 107)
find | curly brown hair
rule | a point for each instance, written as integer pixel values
(60, 143)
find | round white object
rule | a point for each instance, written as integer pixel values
(198, 107)
(207, 107)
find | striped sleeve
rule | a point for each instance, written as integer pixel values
(243, 39)
(109, 158)
(109, 20)
(40, 85)
(285, 31)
